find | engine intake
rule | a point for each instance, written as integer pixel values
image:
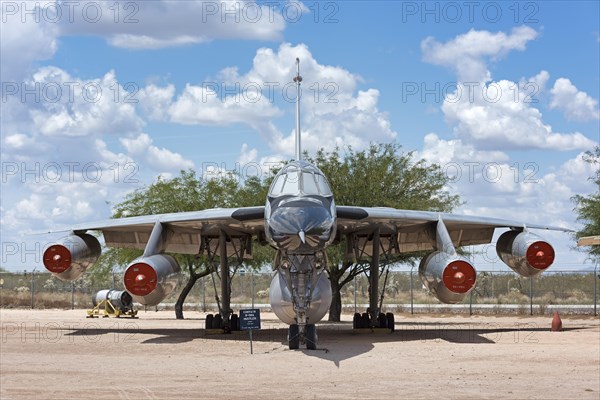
(150, 279)
(524, 252)
(71, 256)
(448, 277)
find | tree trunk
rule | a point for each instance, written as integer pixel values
(335, 310)
(182, 296)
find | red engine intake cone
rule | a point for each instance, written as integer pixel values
(140, 279)
(459, 276)
(540, 255)
(57, 258)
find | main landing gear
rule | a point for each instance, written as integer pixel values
(215, 322)
(363, 321)
(374, 320)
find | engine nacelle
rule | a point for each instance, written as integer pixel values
(524, 252)
(150, 279)
(118, 298)
(448, 277)
(281, 300)
(71, 256)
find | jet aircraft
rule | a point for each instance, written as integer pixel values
(300, 220)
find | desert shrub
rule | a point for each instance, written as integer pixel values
(513, 297)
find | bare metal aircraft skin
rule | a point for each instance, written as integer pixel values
(300, 220)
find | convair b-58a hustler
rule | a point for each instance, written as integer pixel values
(300, 220)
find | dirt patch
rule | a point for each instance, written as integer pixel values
(62, 354)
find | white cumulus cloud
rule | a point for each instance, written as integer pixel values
(466, 54)
(500, 116)
(167, 23)
(160, 159)
(576, 105)
(334, 113)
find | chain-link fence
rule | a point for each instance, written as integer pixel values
(495, 292)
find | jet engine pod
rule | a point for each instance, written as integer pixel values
(281, 300)
(524, 252)
(448, 277)
(150, 279)
(69, 258)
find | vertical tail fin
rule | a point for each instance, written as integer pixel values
(298, 79)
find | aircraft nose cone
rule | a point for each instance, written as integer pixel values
(459, 278)
(302, 236)
(540, 254)
(300, 225)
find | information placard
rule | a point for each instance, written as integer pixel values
(250, 319)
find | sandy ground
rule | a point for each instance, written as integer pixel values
(60, 355)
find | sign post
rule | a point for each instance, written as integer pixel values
(249, 321)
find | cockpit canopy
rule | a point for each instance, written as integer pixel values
(300, 178)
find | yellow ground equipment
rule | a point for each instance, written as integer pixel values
(112, 303)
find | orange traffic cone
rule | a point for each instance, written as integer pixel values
(556, 323)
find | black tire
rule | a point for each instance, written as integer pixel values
(390, 321)
(294, 337)
(356, 321)
(234, 323)
(366, 320)
(311, 337)
(382, 320)
(209, 322)
(217, 321)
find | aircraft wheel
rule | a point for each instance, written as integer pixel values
(209, 322)
(366, 320)
(390, 321)
(234, 323)
(294, 337)
(217, 321)
(311, 337)
(382, 319)
(356, 321)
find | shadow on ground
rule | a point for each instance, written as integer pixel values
(337, 341)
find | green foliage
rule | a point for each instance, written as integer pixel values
(588, 207)
(187, 192)
(383, 176)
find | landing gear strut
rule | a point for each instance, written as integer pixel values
(225, 321)
(374, 318)
(301, 283)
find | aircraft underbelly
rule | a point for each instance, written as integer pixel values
(281, 300)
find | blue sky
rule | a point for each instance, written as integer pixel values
(408, 72)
